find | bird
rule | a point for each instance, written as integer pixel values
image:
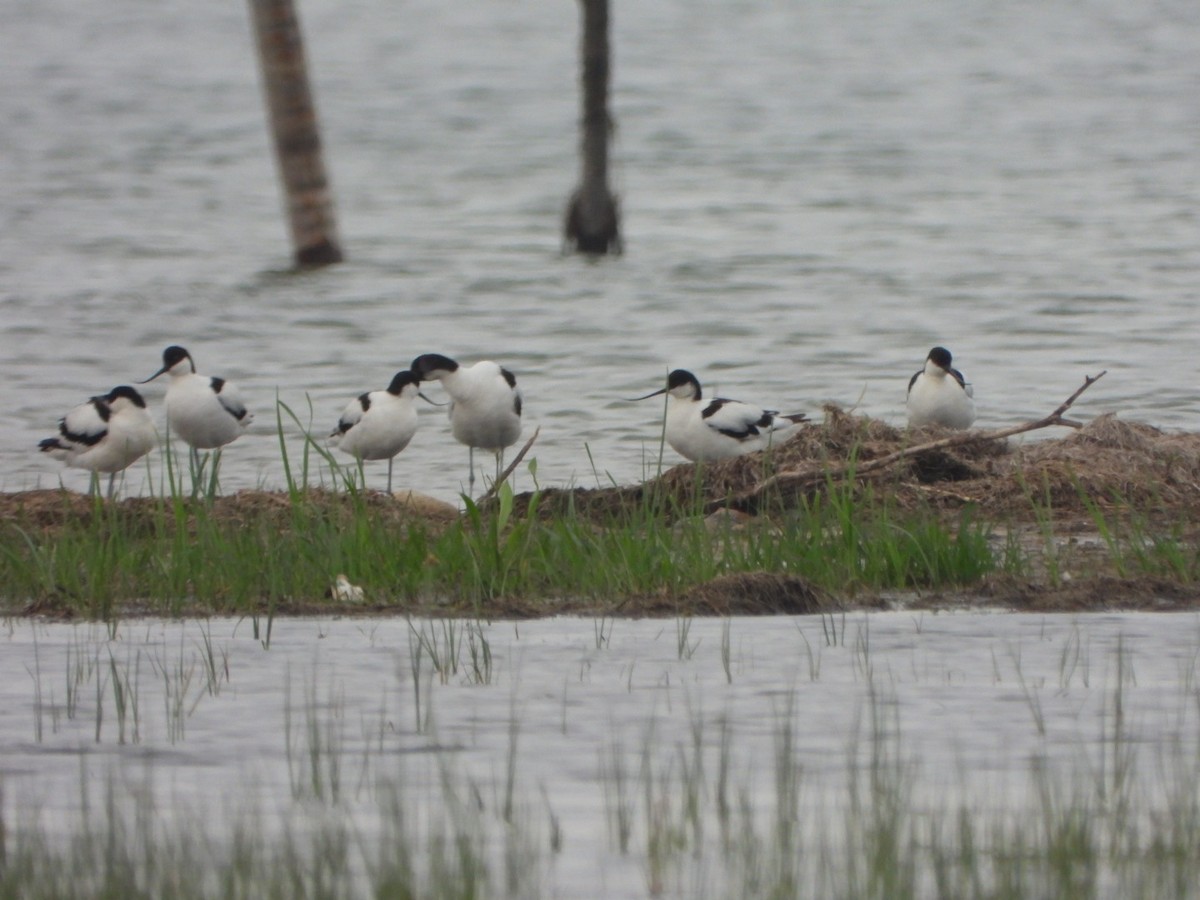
(703, 431)
(939, 395)
(108, 433)
(485, 404)
(206, 411)
(379, 424)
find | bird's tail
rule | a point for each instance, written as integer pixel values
(54, 447)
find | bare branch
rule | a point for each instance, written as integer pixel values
(511, 467)
(795, 478)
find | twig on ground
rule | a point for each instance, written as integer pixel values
(943, 492)
(796, 478)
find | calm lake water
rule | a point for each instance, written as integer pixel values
(813, 194)
(967, 705)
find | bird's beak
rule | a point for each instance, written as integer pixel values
(155, 375)
(427, 400)
(647, 397)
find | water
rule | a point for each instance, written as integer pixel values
(813, 194)
(970, 704)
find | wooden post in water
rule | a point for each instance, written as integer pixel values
(294, 129)
(591, 223)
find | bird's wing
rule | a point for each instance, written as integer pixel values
(230, 398)
(913, 380)
(736, 419)
(352, 414)
(511, 380)
(966, 386)
(86, 424)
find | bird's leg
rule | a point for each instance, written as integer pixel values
(391, 459)
(358, 476)
(212, 481)
(471, 475)
(112, 484)
(194, 459)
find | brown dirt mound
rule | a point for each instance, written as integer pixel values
(1109, 463)
(44, 511)
(756, 594)
(1093, 594)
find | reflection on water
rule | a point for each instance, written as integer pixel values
(813, 194)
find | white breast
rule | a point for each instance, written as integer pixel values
(195, 412)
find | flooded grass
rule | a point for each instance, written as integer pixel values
(687, 809)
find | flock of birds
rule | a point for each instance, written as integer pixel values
(110, 432)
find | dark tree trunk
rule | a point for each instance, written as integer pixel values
(591, 224)
(294, 128)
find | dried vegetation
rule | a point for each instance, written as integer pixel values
(1111, 462)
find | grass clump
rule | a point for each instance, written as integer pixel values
(250, 552)
(655, 547)
(1138, 548)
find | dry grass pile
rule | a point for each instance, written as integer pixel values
(1109, 461)
(842, 443)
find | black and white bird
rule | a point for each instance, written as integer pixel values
(379, 424)
(206, 411)
(939, 394)
(107, 434)
(485, 404)
(706, 430)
